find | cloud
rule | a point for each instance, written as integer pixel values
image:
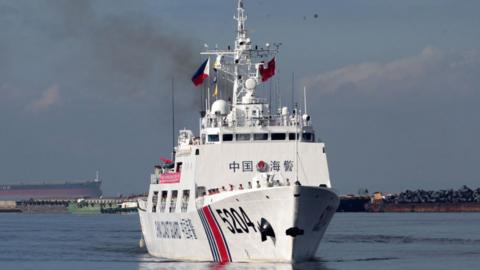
(431, 71)
(105, 51)
(49, 97)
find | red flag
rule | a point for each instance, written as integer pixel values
(166, 160)
(268, 72)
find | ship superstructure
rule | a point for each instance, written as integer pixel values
(253, 186)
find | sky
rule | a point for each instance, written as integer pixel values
(393, 86)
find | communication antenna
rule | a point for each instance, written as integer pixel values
(293, 89)
(305, 99)
(297, 137)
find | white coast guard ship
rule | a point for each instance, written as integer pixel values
(254, 186)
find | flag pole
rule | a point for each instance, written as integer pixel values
(173, 117)
(208, 97)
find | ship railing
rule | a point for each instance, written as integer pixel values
(257, 183)
(212, 193)
(263, 121)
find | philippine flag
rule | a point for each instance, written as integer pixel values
(202, 73)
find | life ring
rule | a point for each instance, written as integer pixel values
(262, 166)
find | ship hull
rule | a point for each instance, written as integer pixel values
(280, 224)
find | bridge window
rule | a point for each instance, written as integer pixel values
(154, 201)
(278, 136)
(227, 137)
(291, 136)
(173, 201)
(179, 167)
(243, 137)
(213, 138)
(163, 201)
(308, 137)
(260, 136)
(185, 197)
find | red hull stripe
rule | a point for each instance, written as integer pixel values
(220, 250)
(223, 236)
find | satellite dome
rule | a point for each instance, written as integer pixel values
(220, 107)
(250, 83)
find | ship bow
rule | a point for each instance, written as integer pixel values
(313, 210)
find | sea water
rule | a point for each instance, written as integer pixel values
(353, 241)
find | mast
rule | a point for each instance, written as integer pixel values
(305, 99)
(297, 138)
(240, 66)
(242, 42)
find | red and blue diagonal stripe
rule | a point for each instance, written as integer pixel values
(202, 73)
(216, 239)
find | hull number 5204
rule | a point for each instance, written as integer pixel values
(236, 221)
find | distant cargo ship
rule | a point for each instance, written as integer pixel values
(66, 190)
(354, 203)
